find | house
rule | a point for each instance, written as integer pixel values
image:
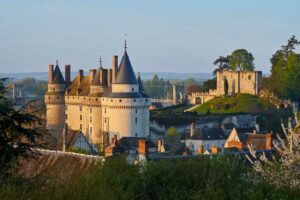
(205, 139)
(241, 138)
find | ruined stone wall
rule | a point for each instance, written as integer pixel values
(239, 82)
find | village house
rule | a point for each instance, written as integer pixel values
(242, 138)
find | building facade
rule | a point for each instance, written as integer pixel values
(102, 105)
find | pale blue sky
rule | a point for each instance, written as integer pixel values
(162, 35)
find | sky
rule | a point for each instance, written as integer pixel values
(162, 35)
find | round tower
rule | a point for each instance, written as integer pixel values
(55, 101)
(126, 112)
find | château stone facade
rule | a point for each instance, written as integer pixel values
(105, 103)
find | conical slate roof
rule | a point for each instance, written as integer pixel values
(57, 76)
(96, 79)
(141, 88)
(125, 73)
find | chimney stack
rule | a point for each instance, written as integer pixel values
(80, 76)
(50, 73)
(214, 150)
(92, 74)
(114, 67)
(143, 147)
(109, 77)
(200, 149)
(67, 73)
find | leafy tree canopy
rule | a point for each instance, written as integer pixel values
(241, 60)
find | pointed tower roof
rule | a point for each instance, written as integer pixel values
(141, 88)
(57, 76)
(96, 79)
(125, 73)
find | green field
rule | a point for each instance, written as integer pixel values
(241, 103)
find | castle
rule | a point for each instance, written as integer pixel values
(248, 82)
(105, 104)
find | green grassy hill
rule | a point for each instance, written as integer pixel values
(241, 103)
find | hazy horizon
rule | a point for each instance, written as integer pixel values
(162, 36)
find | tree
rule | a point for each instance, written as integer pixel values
(223, 64)
(281, 169)
(20, 131)
(279, 68)
(172, 135)
(193, 88)
(209, 84)
(241, 60)
(293, 77)
(189, 82)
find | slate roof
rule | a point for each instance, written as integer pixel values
(125, 73)
(133, 142)
(57, 76)
(215, 133)
(141, 88)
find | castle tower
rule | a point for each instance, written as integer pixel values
(54, 100)
(126, 112)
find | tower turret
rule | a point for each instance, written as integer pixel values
(54, 100)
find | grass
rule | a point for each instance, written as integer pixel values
(241, 103)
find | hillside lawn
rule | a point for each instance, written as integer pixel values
(240, 103)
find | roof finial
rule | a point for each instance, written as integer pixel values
(125, 44)
(56, 62)
(100, 61)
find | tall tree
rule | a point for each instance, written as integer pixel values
(279, 65)
(20, 131)
(293, 77)
(241, 60)
(223, 64)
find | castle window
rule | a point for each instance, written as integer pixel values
(146, 100)
(132, 89)
(80, 126)
(136, 120)
(66, 116)
(134, 100)
(249, 77)
(104, 119)
(66, 107)
(105, 110)
(135, 134)
(120, 100)
(96, 99)
(91, 119)
(91, 109)
(80, 117)
(136, 110)
(57, 97)
(80, 108)
(53, 89)
(91, 129)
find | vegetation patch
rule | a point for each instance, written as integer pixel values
(240, 103)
